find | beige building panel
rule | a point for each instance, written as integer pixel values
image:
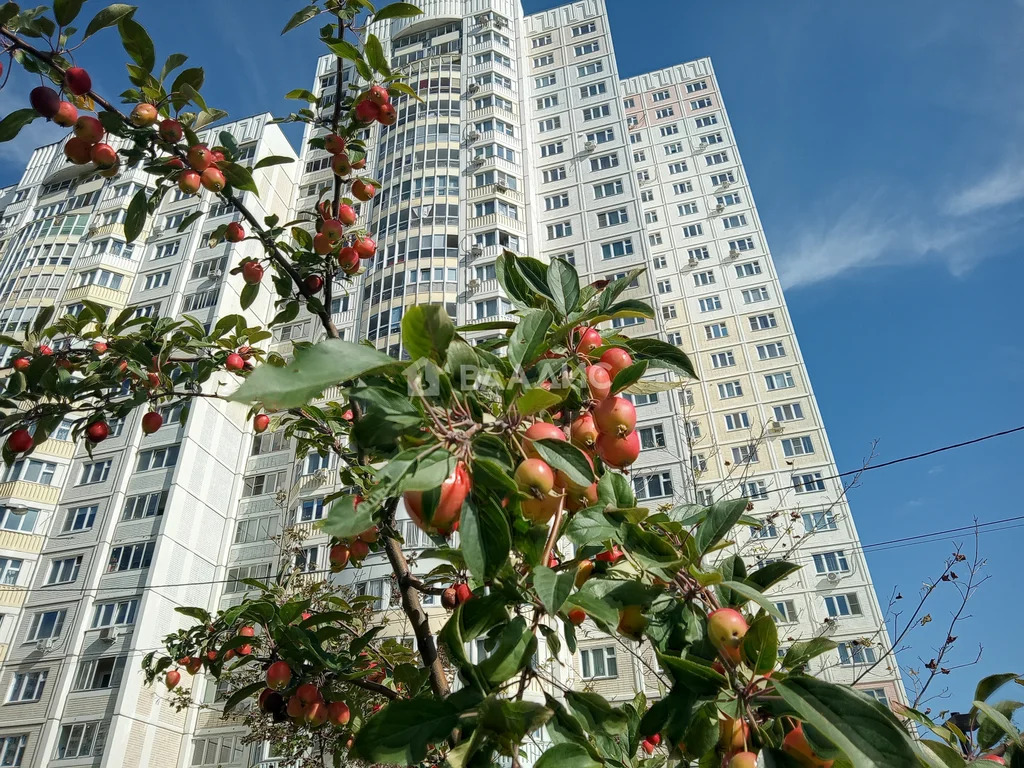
(61, 449)
(21, 542)
(33, 492)
(13, 597)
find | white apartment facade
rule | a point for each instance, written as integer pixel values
(528, 140)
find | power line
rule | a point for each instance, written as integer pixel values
(887, 544)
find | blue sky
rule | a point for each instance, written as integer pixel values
(885, 146)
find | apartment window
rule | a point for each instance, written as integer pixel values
(12, 750)
(31, 471)
(80, 518)
(673, 149)
(688, 209)
(678, 167)
(603, 136)
(692, 430)
(272, 442)
(693, 230)
(629, 103)
(596, 663)
(613, 218)
(653, 486)
(539, 42)
(604, 162)
(46, 624)
(731, 222)
(144, 505)
(719, 179)
(700, 103)
(596, 113)
(716, 331)
(309, 510)
(808, 483)
(745, 454)
(660, 262)
(754, 295)
(819, 521)
(259, 572)
(608, 189)
(554, 174)
(766, 530)
(587, 48)
(490, 308)
(485, 272)
(594, 89)
(664, 286)
(878, 694)
(670, 130)
(703, 278)
(763, 322)
(156, 280)
(496, 206)
(843, 605)
(661, 96)
(217, 751)
(686, 396)
(624, 322)
(730, 389)
(723, 359)
(120, 613)
(643, 177)
(96, 674)
(710, 303)
(559, 230)
(668, 312)
(711, 138)
(549, 124)
(698, 254)
(64, 571)
(306, 559)
(797, 446)
(664, 112)
(554, 148)
(682, 187)
(699, 463)
(79, 740)
(131, 557)
(652, 437)
(700, 85)
(255, 529)
(771, 351)
(732, 198)
(616, 249)
(639, 399)
(544, 61)
(640, 156)
(556, 201)
(738, 420)
(26, 686)
(22, 522)
(157, 458)
(788, 610)
(96, 472)
(782, 380)
(674, 337)
(755, 489)
(584, 29)
(855, 653)
(545, 80)
(788, 412)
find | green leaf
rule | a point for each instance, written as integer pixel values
(397, 11)
(601, 611)
(66, 11)
(135, 219)
(661, 354)
(484, 537)
(692, 676)
(629, 376)
(721, 518)
(427, 330)
(991, 717)
(346, 519)
(566, 755)
(527, 342)
(108, 17)
(314, 369)
(989, 685)
(137, 43)
(7, 12)
(511, 280)
(242, 694)
(552, 587)
(302, 95)
(761, 645)
(345, 50)
(864, 730)
(401, 731)
(248, 295)
(590, 527)
(615, 489)
(772, 573)
(174, 61)
(187, 221)
(751, 593)
(536, 400)
(566, 457)
(199, 614)
(301, 17)
(238, 176)
(193, 78)
(515, 649)
(944, 754)
(564, 284)
(11, 125)
(266, 162)
(803, 651)
(375, 55)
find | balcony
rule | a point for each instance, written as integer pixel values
(106, 259)
(97, 293)
(21, 542)
(33, 492)
(496, 220)
(62, 449)
(491, 190)
(12, 597)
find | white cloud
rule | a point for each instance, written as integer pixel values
(1002, 186)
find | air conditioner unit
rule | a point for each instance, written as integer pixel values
(734, 254)
(476, 250)
(92, 231)
(477, 161)
(692, 261)
(473, 87)
(832, 577)
(590, 146)
(472, 135)
(500, 187)
(45, 644)
(157, 230)
(725, 185)
(473, 284)
(700, 147)
(109, 634)
(775, 428)
(216, 274)
(719, 208)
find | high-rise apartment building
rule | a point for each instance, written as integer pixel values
(526, 139)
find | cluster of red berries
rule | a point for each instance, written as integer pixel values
(445, 516)
(305, 706)
(355, 549)
(192, 664)
(651, 743)
(375, 105)
(202, 168)
(456, 595)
